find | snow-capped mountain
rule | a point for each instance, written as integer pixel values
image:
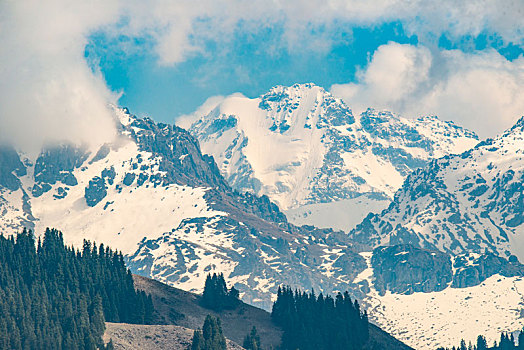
(472, 202)
(468, 210)
(156, 197)
(306, 150)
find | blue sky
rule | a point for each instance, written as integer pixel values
(247, 64)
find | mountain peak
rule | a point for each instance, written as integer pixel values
(289, 98)
(297, 87)
(302, 146)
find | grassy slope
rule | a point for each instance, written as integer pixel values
(181, 308)
(157, 337)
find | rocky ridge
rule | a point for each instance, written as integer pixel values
(155, 196)
(467, 203)
(306, 150)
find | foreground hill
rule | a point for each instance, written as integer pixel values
(152, 337)
(175, 306)
(306, 150)
(57, 297)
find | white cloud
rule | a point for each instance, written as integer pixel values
(185, 121)
(482, 91)
(47, 90)
(180, 28)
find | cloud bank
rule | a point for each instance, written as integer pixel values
(482, 91)
(49, 91)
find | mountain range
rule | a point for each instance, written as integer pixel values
(435, 260)
(472, 202)
(155, 196)
(308, 152)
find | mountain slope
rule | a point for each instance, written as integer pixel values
(152, 337)
(301, 146)
(152, 194)
(429, 299)
(469, 208)
(472, 202)
(181, 308)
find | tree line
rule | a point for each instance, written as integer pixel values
(506, 342)
(309, 322)
(56, 297)
(210, 337)
(317, 323)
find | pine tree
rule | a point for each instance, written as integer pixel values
(520, 340)
(481, 343)
(212, 332)
(211, 337)
(311, 322)
(56, 297)
(252, 340)
(216, 295)
(197, 342)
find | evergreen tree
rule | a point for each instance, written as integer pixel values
(216, 296)
(311, 323)
(507, 342)
(252, 340)
(211, 337)
(56, 297)
(482, 344)
(520, 340)
(198, 340)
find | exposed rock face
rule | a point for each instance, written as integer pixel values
(10, 168)
(404, 269)
(56, 164)
(179, 154)
(154, 195)
(473, 269)
(96, 191)
(472, 202)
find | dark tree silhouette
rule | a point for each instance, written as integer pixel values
(507, 342)
(211, 337)
(317, 323)
(252, 340)
(56, 297)
(216, 296)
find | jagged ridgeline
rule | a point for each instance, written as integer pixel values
(56, 297)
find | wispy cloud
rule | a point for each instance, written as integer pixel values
(181, 29)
